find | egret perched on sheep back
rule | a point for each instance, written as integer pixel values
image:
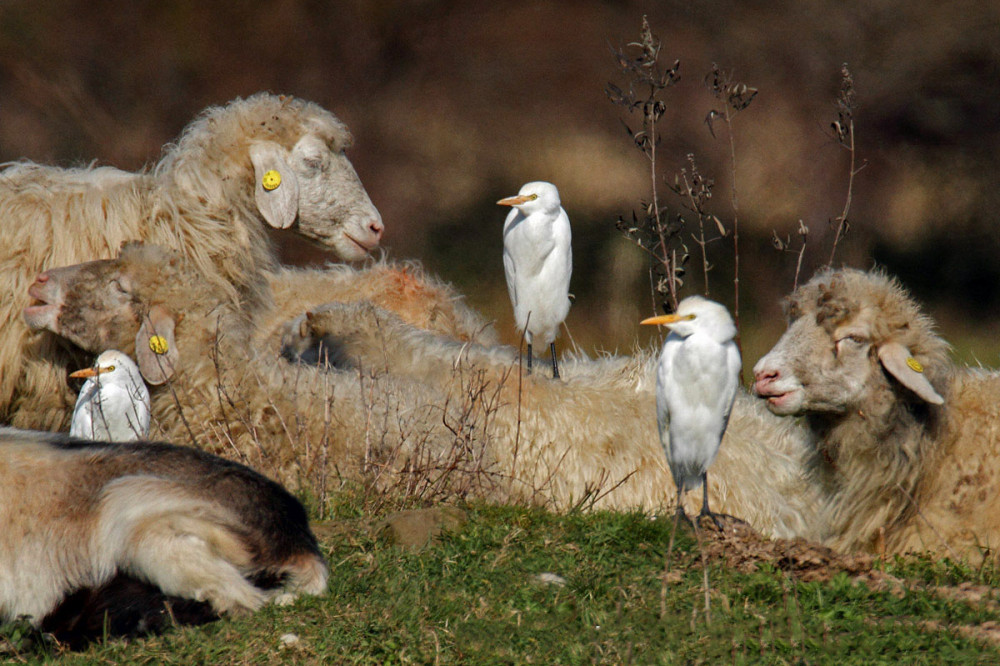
(696, 382)
(113, 404)
(538, 263)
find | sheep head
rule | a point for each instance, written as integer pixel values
(279, 159)
(855, 341)
(129, 303)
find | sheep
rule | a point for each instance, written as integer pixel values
(907, 443)
(114, 539)
(401, 287)
(590, 440)
(205, 198)
(589, 433)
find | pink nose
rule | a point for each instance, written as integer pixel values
(376, 227)
(42, 278)
(761, 378)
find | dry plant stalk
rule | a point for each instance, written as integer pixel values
(784, 245)
(843, 133)
(695, 191)
(733, 97)
(653, 231)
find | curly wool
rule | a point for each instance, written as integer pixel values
(198, 200)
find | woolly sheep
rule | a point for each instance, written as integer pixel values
(204, 198)
(596, 429)
(590, 440)
(403, 288)
(908, 444)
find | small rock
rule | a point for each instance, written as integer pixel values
(548, 578)
(417, 528)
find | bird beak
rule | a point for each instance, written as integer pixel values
(667, 319)
(517, 200)
(89, 372)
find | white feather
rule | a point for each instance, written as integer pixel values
(537, 261)
(113, 404)
(696, 381)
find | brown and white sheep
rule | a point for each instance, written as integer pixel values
(204, 198)
(118, 539)
(403, 288)
(590, 439)
(908, 443)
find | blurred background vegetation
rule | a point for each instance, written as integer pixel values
(454, 105)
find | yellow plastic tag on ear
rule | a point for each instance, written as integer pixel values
(158, 344)
(271, 180)
(914, 364)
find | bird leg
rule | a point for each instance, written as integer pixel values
(673, 531)
(529, 358)
(555, 364)
(705, 511)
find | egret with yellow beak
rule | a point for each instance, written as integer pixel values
(538, 262)
(696, 381)
(113, 405)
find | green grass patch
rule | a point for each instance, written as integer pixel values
(480, 596)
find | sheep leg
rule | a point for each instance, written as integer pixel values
(555, 364)
(705, 511)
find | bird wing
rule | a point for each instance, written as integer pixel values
(510, 232)
(83, 423)
(696, 385)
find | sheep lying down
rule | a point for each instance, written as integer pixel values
(104, 536)
(452, 417)
(908, 442)
(235, 172)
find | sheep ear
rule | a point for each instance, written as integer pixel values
(900, 363)
(276, 189)
(155, 347)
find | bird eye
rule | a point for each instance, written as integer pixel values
(532, 197)
(111, 368)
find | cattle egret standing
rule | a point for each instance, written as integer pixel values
(696, 382)
(113, 404)
(538, 263)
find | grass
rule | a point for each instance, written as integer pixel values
(475, 597)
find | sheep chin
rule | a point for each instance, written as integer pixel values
(788, 403)
(43, 316)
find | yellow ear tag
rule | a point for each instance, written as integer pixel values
(914, 364)
(271, 180)
(158, 344)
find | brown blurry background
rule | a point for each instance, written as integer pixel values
(454, 105)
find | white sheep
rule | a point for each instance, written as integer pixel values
(908, 443)
(454, 415)
(205, 198)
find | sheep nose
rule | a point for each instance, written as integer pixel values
(376, 227)
(42, 278)
(763, 377)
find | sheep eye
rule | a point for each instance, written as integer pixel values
(854, 341)
(119, 287)
(314, 163)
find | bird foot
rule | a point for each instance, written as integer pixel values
(720, 520)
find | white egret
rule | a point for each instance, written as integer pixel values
(113, 404)
(696, 381)
(538, 262)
